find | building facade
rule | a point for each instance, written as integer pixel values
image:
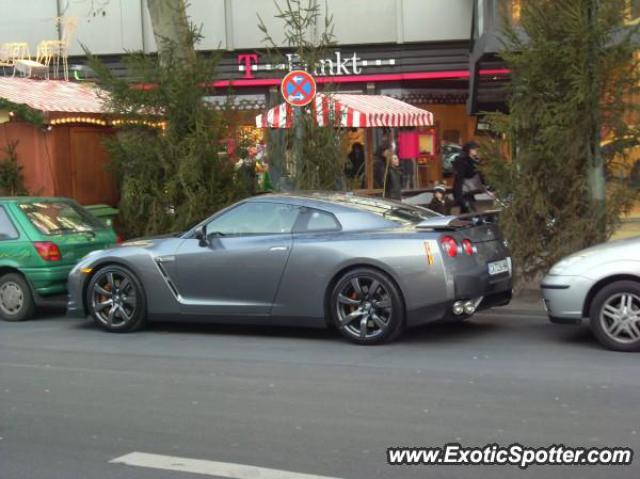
(415, 50)
(418, 51)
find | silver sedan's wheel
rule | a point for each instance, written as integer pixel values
(615, 316)
(116, 300)
(366, 306)
(620, 317)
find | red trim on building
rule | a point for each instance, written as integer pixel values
(364, 78)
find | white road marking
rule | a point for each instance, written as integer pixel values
(208, 468)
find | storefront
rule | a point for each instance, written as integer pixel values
(433, 76)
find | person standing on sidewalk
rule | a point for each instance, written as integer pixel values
(393, 179)
(467, 181)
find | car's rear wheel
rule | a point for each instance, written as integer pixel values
(16, 300)
(366, 307)
(116, 300)
(615, 316)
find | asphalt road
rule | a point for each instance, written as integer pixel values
(73, 398)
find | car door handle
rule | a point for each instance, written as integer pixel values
(279, 248)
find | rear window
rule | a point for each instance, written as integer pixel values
(59, 217)
(400, 213)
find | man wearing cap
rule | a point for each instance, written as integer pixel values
(464, 169)
(440, 203)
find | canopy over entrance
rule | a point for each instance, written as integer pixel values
(352, 111)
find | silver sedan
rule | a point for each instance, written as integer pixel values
(602, 284)
(367, 267)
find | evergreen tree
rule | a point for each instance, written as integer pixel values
(317, 152)
(174, 176)
(573, 86)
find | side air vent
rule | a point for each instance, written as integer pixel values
(167, 278)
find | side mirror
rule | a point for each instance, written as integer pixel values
(201, 235)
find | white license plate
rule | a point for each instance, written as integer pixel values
(498, 267)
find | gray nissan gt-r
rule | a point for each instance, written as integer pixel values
(367, 266)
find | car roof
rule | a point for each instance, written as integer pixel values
(335, 202)
(32, 199)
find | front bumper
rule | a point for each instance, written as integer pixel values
(75, 289)
(564, 297)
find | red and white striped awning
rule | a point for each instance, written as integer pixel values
(357, 111)
(52, 95)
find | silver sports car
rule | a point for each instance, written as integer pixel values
(601, 283)
(369, 267)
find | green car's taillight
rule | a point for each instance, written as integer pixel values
(48, 250)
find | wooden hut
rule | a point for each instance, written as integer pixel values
(59, 127)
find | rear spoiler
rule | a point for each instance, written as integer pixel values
(448, 223)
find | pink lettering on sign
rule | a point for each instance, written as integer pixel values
(248, 59)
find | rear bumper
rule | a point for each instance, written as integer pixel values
(490, 288)
(48, 281)
(494, 291)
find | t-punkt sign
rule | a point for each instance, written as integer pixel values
(298, 88)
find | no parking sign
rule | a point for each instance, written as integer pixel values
(298, 88)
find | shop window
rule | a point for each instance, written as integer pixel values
(451, 136)
(510, 10)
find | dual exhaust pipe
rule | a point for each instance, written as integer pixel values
(468, 306)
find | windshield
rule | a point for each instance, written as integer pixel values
(60, 217)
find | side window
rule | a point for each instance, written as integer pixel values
(254, 218)
(7, 230)
(315, 221)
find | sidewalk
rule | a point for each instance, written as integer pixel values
(629, 227)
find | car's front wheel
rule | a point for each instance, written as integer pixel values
(116, 300)
(16, 300)
(615, 316)
(366, 307)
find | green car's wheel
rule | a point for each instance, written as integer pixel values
(16, 300)
(116, 300)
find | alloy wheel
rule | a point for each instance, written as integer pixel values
(364, 308)
(114, 299)
(620, 317)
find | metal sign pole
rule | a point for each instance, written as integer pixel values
(298, 143)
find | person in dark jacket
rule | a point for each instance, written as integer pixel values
(393, 183)
(356, 161)
(380, 157)
(464, 168)
(440, 203)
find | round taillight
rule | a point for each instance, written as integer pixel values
(467, 246)
(449, 245)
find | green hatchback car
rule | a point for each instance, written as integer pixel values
(41, 239)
